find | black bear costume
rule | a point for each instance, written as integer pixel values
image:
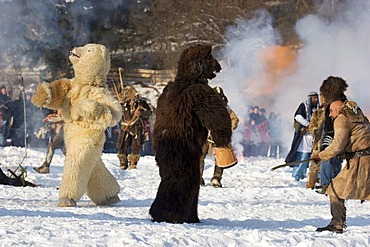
(187, 111)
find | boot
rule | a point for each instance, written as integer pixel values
(338, 212)
(216, 183)
(321, 189)
(217, 175)
(330, 228)
(123, 161)
(312, 176)
(310, 185)
(134, 158)
(44, 169)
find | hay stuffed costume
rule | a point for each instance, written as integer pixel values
(88, 108)
(186, 110)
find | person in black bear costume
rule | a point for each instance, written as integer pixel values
(187, 110)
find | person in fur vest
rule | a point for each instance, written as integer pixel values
(88, 109)
(207, 148)
(136, 111)
(186, 110)
(321, 129)
(351, 139)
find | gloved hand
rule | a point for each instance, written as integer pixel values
(138, 112)
(315, 157)
(303, 130)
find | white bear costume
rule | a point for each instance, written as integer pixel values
(88, 108)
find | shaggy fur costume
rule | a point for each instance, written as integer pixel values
(88, 108)
(186, 110)
(332, 89)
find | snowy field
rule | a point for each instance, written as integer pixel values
(256, 207)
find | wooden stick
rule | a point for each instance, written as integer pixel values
(120, 78)
(115, 89)
(291, 164)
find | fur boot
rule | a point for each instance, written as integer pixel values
(133, 158)
(123, 161)
(44, 169)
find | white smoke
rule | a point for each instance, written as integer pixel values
(335, 46)
(339, 48)
(241, 62)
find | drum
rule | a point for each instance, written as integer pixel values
(225, 157)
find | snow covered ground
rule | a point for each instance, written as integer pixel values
(256, 207)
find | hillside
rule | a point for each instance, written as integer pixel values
(141, 34)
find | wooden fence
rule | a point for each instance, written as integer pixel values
(145, 76)
(129, 76)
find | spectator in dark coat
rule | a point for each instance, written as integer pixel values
(302, 140)
(6, 108)
(17, 132)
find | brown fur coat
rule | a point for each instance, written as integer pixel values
(351, 133)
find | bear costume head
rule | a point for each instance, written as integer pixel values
(90, 62)
(198, 63)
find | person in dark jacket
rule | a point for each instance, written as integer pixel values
(6, 109)
(20, 128)
(302, 140)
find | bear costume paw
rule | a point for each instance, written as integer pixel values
(42, 96)
(110, 201)
(64, 203)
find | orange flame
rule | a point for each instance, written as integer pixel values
(275, 63)
(279, 61)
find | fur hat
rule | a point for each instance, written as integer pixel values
(333, 89)
(129, 93)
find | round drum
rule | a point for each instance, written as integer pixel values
(225, 157)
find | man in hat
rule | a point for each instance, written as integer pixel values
(302, 140)
(136, 111)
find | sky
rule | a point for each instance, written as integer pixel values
(255, 207)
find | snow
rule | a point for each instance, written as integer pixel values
(256, 207)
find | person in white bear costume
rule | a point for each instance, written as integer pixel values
(88, 109)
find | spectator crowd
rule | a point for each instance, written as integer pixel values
(262, 136)
(20, 121)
